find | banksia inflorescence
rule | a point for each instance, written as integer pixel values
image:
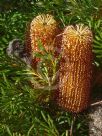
(41, 39)
(43, 29)
(75, 68)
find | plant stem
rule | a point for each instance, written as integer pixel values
(72, 125)
(66, 132)
(96, 103)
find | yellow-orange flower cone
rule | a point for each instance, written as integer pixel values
(75, 68)
(43, 29)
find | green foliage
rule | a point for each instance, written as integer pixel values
(12, 25)
(24, 110)
(96, 26)
(98, 42)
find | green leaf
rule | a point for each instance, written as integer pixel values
(43, 116)
(40, 45)
(8, 131)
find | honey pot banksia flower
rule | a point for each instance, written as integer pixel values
(43, 29)
(75, 68)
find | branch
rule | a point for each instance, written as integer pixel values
(96, 103)
(72, 125)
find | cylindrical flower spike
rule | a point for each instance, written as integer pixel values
(43, 29)
(75, 68)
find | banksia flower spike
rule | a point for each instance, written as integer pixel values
(75, 68)
(43, 29)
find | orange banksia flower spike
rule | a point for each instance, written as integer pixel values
(75, 74)
(44, 29)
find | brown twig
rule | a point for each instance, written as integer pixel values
(96, 103)
(72, 125)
